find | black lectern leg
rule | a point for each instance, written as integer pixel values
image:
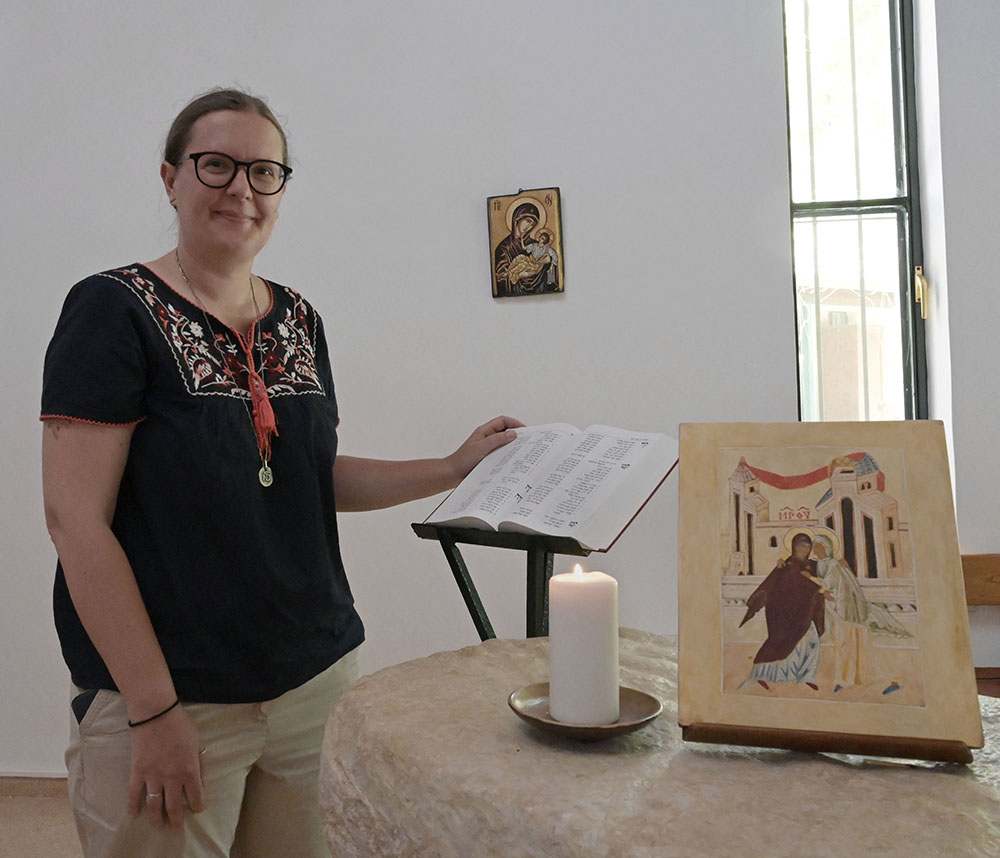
(541, 550)
(537, 607)
(468, 588)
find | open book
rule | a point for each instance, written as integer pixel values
(558, 480)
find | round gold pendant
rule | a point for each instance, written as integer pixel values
(265, 476)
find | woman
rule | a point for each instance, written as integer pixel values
(512, 253)
(792, 598)
(191, 476)
(855, 619)
(849, 610)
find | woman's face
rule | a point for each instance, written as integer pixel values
(524, 225)
(233, 221)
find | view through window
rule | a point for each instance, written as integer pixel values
(855, 225)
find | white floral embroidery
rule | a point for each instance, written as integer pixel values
(219, 367)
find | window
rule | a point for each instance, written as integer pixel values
(855, 213)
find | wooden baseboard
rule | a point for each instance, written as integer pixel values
(982, 578)
(33, 787)
(988, 681)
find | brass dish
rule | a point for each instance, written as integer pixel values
(636, 709)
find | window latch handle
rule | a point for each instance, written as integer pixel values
(922, 289)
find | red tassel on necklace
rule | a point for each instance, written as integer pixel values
(264, 424)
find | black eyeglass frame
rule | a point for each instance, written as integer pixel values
(286, 172)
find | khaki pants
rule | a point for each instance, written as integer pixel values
(260, 770)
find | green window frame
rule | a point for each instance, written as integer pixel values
(831, 277)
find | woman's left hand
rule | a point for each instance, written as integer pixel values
(483, 441)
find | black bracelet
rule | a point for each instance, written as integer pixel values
(154, 717)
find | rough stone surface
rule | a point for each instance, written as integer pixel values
(426, 759)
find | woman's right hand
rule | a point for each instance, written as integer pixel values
(165, 773)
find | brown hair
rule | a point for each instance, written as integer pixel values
(209, 102)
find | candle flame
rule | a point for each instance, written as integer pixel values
(578, 571)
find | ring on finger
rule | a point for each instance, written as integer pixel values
(153, 794)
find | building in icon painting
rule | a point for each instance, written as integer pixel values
(854, 506)
(865, 518)
(756, 539)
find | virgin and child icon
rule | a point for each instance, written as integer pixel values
(526, 243)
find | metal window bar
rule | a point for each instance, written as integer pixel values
(915, 353)
(865, 384)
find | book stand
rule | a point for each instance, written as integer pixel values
(936, 750)
(540, 549)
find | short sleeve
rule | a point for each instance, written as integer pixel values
(95, 365)
(322, 358)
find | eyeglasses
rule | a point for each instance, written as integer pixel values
(216, 170)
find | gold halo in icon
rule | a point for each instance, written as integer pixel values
(792, 532)
(518, 200)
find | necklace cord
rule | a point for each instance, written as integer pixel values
(262, 421)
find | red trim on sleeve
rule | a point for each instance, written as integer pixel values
(91, 422)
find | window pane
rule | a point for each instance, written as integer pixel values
(840, 102)
(847, 282)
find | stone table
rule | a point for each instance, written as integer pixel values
(426, 759)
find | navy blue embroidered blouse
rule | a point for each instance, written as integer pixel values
(244, 584)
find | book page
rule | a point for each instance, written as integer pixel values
(504, 478)
(584, 478)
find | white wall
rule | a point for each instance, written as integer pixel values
(662, 122)
(960, 42)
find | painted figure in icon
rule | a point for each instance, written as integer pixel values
(793, 599)
(849, 614)
(853, 618)
(525, 265)
(543, 256)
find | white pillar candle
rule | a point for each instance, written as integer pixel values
(583, 647)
